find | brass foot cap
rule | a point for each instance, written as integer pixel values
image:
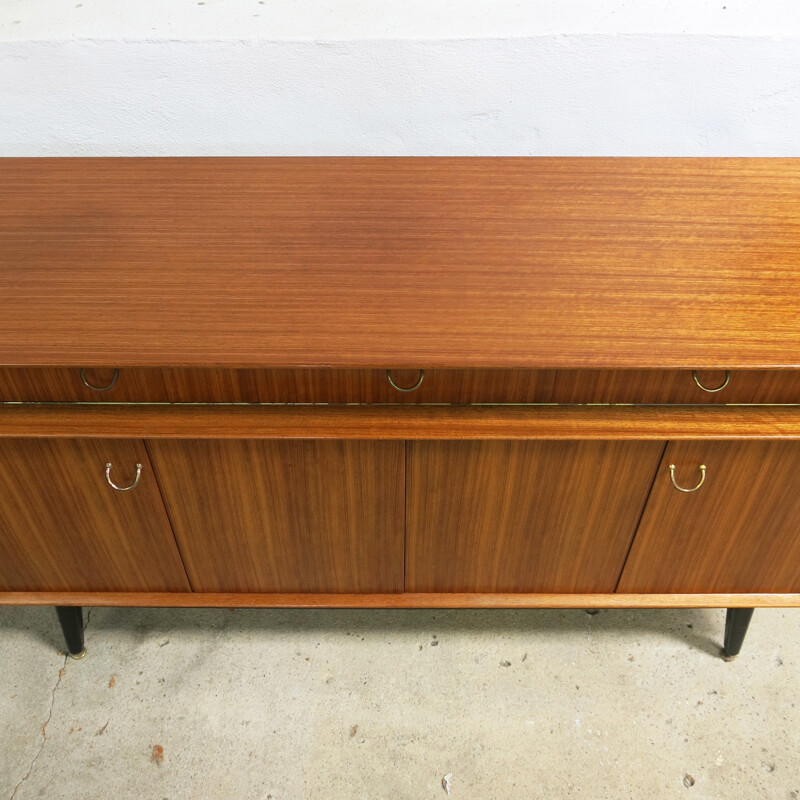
(78, 656)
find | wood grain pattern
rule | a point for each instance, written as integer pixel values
(433, 262)
(401, 422)
(203, 385)
(523, 516)
(198, 385)
(740, 532)
(405, 600)
(267, 516)
(63, 528)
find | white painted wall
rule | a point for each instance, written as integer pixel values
(442, 77)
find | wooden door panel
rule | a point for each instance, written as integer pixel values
(286, 516)
(64, 528)
(523, 516)
(740, 532)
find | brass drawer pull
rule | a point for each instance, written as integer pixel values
(702, 469)
(719, 388)
(99, 388)
(123, 488)
(410, 388)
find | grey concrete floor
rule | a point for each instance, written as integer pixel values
(384, 704)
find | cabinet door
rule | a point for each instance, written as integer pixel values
(63, 527)
(286, 516)
(739, 532)
(523, 516)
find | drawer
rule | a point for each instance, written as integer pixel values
(606, 386)
(195, 385)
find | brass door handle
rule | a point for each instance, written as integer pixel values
(702, 469)
(99, 388)
(410, 388)
(123, 488)
(719, 388)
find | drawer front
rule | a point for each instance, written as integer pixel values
(157, 385)
(398, 386)
(64, 527)
(735, 527)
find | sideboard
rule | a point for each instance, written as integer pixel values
(400, 382)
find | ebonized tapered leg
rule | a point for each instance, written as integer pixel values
(71, 619)
(736, 623)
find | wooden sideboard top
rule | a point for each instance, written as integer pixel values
(431, 262)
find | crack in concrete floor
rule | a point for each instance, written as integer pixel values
(61, 672)
(27, 775)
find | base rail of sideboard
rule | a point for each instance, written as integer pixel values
(398, 600)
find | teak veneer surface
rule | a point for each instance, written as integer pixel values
(523, 516)
(400, 422)
(401, 600)
(63, 528)
(285, 516)
(459, 386)
(448, 262)
(739, 532)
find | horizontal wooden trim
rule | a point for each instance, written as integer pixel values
(406, 600)
(399, 422)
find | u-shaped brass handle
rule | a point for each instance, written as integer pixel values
(410, 388)
(702, 469)
(99, 388)
(123, 488)
(719, 388)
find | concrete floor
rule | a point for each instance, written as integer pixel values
(384, 704)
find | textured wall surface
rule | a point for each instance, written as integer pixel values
(243, 77)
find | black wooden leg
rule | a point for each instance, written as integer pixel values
(736, 623)
(71, 619)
